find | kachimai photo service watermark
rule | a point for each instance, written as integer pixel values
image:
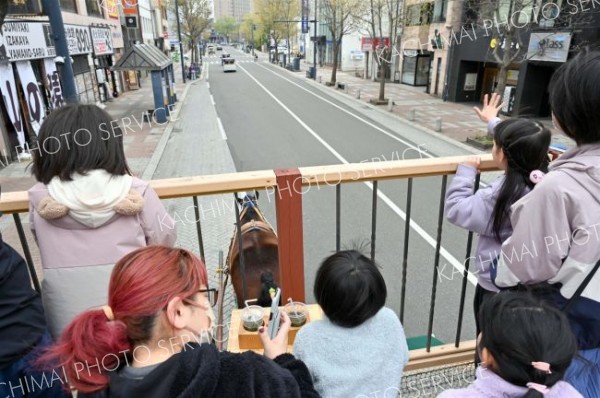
(109, 363)
(221, 207)
(83, 137)
(563, 242)
(518, 19)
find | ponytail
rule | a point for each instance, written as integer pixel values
(89, 348)
(525, 146)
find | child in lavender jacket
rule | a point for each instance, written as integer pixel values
(526, 347)
(521, 150)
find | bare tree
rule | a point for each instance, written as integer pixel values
(506, 22)
(274, 17)
(193, 15)
(384, 20)
(341, 17)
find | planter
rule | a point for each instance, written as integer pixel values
(329, 84)
(376, 101)
(482, 143)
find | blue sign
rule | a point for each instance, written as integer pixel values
(305, 24)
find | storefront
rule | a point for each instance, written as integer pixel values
(415, 67)
(28, 81)
(103, 59)
(80, 48)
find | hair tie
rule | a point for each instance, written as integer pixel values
(543, 366)
(537, 387)
(108, 312)
(536, 176)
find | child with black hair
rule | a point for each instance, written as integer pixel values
(359, 348)
(526, 347)
(558, 222)
(87, 210)
(521, 151)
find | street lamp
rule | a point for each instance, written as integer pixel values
(180, 43)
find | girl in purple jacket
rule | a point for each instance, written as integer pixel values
(521, 151)
(526, 347)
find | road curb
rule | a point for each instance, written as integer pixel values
(160, 148)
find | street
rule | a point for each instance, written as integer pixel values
(271, 118)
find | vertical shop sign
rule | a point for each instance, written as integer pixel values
(33, 96)
(9, 95)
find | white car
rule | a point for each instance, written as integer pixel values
(229, 65)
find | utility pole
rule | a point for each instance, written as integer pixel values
(315, 52)
(180, 43)
(52, 9)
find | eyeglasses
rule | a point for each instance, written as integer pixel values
(211, 294)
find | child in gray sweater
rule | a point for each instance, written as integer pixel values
(359, 349)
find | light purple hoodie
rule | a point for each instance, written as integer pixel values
(489, 385)
(83, 227)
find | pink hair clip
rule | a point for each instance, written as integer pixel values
(538, 387)
(542, 366)
(536, 176)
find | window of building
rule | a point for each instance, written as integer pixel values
(413, 15)
(93, 8)
(440, 8)
(68, 5)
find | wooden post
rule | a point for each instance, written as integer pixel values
(288, 202)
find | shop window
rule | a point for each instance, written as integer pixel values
(440, 8)
(68, 5)
(93, 8)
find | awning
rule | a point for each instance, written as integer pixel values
(143, 57)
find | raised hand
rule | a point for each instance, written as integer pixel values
(491, 107)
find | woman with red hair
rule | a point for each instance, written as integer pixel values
(147, 341)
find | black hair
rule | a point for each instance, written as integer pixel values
(518, 329)
(575, 97)
(525, 146)
(349, 288)
(78, 139)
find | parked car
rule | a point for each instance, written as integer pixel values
(219, 48)
(229, 65)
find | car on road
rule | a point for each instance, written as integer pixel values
(211, 48)
(224, 56)
(219, 48)
(229, 65)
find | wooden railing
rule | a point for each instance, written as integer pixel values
(288, 184)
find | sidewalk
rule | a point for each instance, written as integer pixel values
(140, 138)
(458, 119)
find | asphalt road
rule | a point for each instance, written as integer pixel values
(272, 118)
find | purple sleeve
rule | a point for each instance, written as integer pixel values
(159, 227)
(492, 124)
(466, 209)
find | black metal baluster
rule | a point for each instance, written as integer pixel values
(436, 262)
(338, 216)
(374, 220)
(27, 253)
(461, 308)
(240, 247)
(405, 255)
(199, 229)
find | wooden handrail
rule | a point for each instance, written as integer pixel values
(441, 355)
(17, 202)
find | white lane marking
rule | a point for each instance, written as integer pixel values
(416, 227)
(221, 129)
(212, 100)
(416, 148)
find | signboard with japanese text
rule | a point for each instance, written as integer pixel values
(79, 40)
(33, 96)
(366, 43)
(53, 84)
(305, 12)
(101, 41)
(27, 40)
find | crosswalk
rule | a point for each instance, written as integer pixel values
(239, 61)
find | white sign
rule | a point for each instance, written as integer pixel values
(551, 47)
(33, 97)
(53, 84)
(9, 95)
(470, 82)
(27, 40)
(78, 38)
(102, 41)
